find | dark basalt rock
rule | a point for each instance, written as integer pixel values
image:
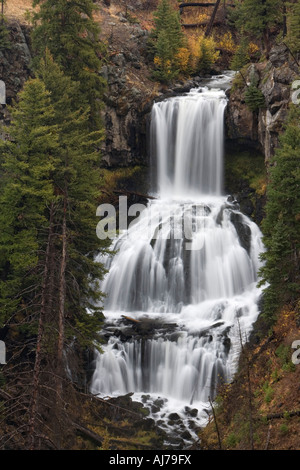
(193, 412)
(243, 230)
(174, 417)
(128, 328)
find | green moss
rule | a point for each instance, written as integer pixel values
(284, 429)
(232, 440)
(283, 352)
(269, 392)
(248, 165)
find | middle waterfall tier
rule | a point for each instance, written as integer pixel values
(180, 254)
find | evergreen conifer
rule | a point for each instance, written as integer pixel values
(254, 98)
(166, 40)
(5, 42)
(257, 17)
(67, 28)
(293, 21)
(28, 163)
(241, 55)
(281, 226)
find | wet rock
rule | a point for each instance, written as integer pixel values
(174, 417)
(155, 409)
(175, 441)
(128, 328)
(193, 412)
(227, 344)
(159, 402)
(186, 435)
(242, 229)
(145, 398)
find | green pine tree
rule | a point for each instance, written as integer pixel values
(293, 22)
(28, 163)
(254, 98)
(166, 40)
(164, 71)
(68, 30)
(206, 61)
(5, 42)
(281, 226)
(257, 17)
(241, 56)
(79, 172)
(49, 275)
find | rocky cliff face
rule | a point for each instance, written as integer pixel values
(262, 129)
(129, 89)
(124, 114)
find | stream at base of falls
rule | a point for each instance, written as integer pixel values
(182, 287)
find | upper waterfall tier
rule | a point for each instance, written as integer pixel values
(187, 143)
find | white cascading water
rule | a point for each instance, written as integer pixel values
(188, 264)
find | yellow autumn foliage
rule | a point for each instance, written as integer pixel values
(253, 48)
(195, 18)
(227, 43)
(194, 45)
(157, 61)
(183, 58)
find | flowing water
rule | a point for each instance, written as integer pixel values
(181, 289)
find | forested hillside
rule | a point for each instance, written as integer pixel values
(81, 78)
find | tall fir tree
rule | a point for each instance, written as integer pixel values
(79, 173)
(293, 29)
(49, 275)
(68, 29)
(28, 162)
(257, 17)
(254, 97)
(206, 56)
(281, 226)
(241, 56)
(5, 42)
(166, 40)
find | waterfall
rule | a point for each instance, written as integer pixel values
(187, 141)
(182, 286)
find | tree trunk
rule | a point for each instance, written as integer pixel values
(61, 326)
(212, 19)
(62, 290)
(40, 336)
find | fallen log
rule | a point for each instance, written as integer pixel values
(283, 415)
(204, 5)
(195, 4)
(130, 319)
(88, 433)
(199, 25)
